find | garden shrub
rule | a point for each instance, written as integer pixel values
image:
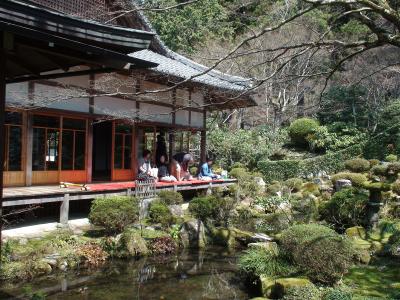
(300, 129)
(334, 137)
(248, 187)
(203, 208)
(170, 197)
(380, 170)
(394, 244)
(357, 165)
(246, 146)
(322, 254)
(238, 173)
(387, 138)
(310, 188)
(274, 222)
(162, 245)
(258, 261)
(328, 163)
(396, 187)
(391, 158)
(160, 213)
(280, 170)
(346, 208)
(374, 162)
(309, 292)
(294, 184)
(274, 188)
(337, 294)
(114, 213)
(356, 179)
(393, 168)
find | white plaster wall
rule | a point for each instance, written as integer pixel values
(182, 117)
(197, 119)
(155, 113)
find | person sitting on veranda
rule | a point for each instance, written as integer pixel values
(205, 172)
(146, 172)
(180, 165)
(163, 173)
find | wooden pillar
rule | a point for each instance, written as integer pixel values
(28, 149)
(2, 127)
(89, 131)
(64, 210)
(172, 134)
(203, 142)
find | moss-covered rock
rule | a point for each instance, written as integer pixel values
(192, 234)
(224, 237)
(275, 288)
(270, 246)
(131, 244)
(356, 232)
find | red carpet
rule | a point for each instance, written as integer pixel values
(109, 186)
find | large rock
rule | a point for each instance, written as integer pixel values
(342, 183)
(270, 246)
(356, 232)
(192, 234)
(176, 210)
(41, 267)
(261, 183)
(224, 237)
(276, 288)
(131, 244)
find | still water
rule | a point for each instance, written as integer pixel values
(189, 275)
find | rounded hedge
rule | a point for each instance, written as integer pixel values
(380, 170)
(170, 197)
(357, 165)
(391, 158)
(203, 207)
(318, 251)
(356, 179)
(160, 213)
(114, 213)
(346, 208)
(300, 129)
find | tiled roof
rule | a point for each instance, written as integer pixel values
(172, 63)
(182, 67)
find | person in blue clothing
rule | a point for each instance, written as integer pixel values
(205, 172)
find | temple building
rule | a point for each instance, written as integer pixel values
(88, 115)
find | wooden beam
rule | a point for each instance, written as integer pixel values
(2, 127)
(61, 75)
(28, 149)
(203, 142)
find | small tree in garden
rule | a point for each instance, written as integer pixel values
(114, 213)
(300, 129)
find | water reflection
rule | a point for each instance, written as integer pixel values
(189, 275)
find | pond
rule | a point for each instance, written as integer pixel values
(189, 275)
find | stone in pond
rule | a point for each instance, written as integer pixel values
(132, 244)
(192, 234)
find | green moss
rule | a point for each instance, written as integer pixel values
(276, 288)
(356, 232)
(375, 280)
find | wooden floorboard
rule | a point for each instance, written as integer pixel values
(15, 196)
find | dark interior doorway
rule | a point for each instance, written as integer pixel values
(102, 151)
